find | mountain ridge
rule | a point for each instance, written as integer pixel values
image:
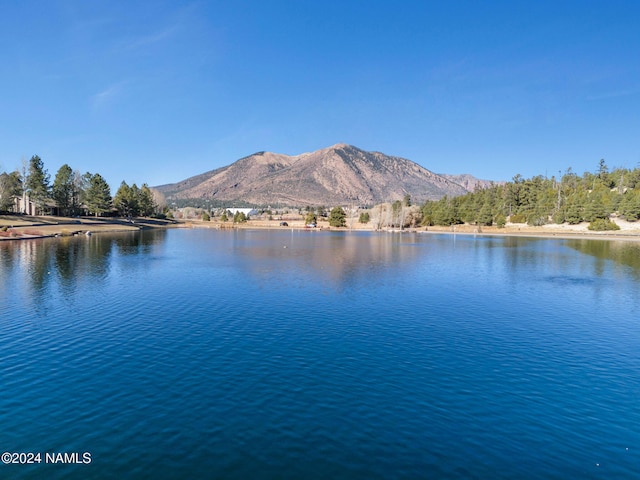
(337, 175)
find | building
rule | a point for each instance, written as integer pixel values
(248, 212)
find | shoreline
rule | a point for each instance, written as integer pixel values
(628, 232)
(29, 228)
(23, 227)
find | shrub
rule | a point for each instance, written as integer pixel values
(601, 224)
(206, 217)
(310, 218)
(537, 220)
(501, 220)
(558, 217)
(518, 218)
(364, 217)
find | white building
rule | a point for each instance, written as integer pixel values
(249, 212)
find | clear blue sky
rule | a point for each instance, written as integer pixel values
(157, 91)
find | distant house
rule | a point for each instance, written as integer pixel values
(24, 205)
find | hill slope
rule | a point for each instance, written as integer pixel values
(469, 182)
(337, 175)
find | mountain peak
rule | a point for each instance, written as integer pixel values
(341, 146)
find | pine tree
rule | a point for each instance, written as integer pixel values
(63, 189)
(485, 217)
(126, 201)
(310, 218)
(37, 182)
(146, 205)
(10, 188)
(630, 205)
(337, 217)
(98, 195)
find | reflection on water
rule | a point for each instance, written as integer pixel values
(340, 259)
(337, 258)
(69, 259)
(296, 354)
(621, 252)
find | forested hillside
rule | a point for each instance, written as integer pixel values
(592, 197)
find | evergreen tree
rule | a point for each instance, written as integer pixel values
(63, 189)
(37, 182)
(630, 205)
(97, 195)
(595, 208)
(427, 214)
(485, 217)
(573, 215)
(310, 218)
(126, 201)
(135, 205)
(10, 188)
(337, 217)
(445, 212)
(239, 217)
(146, 203)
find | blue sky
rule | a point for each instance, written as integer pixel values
(158, 91)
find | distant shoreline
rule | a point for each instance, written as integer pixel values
(25, 228)
(628, 232)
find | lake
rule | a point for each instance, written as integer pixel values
(286, 354)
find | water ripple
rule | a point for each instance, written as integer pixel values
(333, 358)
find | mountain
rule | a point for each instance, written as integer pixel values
(338, 175)
(469, 182)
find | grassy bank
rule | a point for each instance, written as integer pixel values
(17, 227)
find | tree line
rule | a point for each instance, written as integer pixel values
(570, 198)
(73, 193)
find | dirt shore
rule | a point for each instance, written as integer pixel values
(25, 227)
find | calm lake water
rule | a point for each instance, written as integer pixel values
(320, 355)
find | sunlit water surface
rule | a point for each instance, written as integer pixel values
(321, 355)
